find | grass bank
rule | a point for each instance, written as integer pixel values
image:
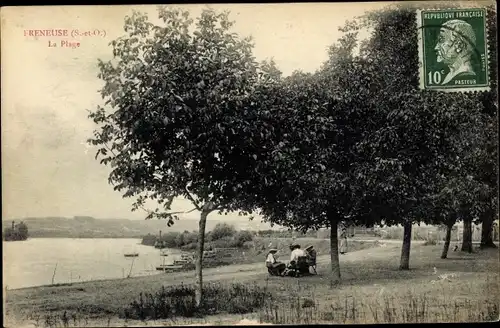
(464, 287)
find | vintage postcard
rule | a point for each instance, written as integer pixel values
(237, 164)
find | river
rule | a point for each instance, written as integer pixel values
(32, 262)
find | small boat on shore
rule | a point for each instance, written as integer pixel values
(169, 267)
(181, 262)
(131, 254)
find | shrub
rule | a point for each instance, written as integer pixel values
(179, 301)
(179, 240)
(222, 230)
(190, 237)
(224, 242)
(148, 240)
(170, 239)
(190, 246)
(242, 237)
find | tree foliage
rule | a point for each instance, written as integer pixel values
(176, 121)
(16, 232)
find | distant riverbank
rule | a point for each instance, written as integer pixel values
(89, 227)
(86, 237)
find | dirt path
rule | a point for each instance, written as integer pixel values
(242, 271)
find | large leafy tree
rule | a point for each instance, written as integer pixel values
(175, 121)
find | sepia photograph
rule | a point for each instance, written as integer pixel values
(250, 164)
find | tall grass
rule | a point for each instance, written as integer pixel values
(414, 309)
(179, 301)
(301, 307)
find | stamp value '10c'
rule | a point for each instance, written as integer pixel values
(453, 49)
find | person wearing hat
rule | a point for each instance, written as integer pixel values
(311, 254)
(274, 266)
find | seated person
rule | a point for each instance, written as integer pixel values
(273, 264)
(311, 254)
(296, 255)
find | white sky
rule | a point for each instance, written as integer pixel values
(46, 168)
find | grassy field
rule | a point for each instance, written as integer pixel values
(464, 287)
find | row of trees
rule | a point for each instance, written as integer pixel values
(223, 235)
(194, 115)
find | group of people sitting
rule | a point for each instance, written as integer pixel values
(300, 261)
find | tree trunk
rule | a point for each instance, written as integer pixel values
(405, 250)
(447, 240)
(334, 251)
(467, 235)
(199, 256)
(487, 231)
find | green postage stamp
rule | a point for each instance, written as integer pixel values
(453, 49)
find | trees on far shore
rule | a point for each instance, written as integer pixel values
(16, 232)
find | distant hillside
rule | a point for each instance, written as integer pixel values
(89, 227)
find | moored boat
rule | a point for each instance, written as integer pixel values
(169, 267)
(181, 262)
(131, 254)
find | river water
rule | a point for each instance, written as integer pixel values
(32, 262)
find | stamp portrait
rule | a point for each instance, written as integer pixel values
(453, 49)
